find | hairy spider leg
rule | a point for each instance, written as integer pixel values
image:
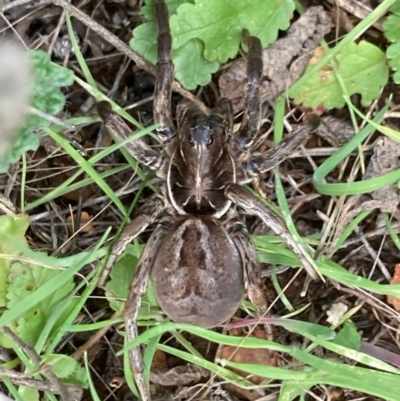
(164, 75)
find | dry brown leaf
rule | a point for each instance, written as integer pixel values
(394, 301)
(75, 194)
(248, 355)
(181, 375)
(85, 226)
(159, 360)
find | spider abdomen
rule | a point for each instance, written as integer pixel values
(198, 275)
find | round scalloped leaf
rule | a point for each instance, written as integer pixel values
(144, 41)
(219, 24)
(393, 54)
(49, 73)
(363, 70)
(27, 393)
(190, 67)
(16, 228)
(23, 279)
(199, 72)
(49, 77)
(392, 32)
(392, 27)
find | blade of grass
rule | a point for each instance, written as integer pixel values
(78, 54)
(353, 188)
(92, 387)
(88, 169)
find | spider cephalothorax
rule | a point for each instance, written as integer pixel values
(200, 254)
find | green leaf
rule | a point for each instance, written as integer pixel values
(117, 289)
(62, 365)
(219, 24)
(362, 68)
(23, 277)
(28, 393)
(199, 73)
(47, 97)
(190, 67)
(15, 227)
(348, 337)
(392, 31)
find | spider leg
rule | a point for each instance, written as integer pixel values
(142, 152)
(255, 207)
(164, 75)
(241, 238)
(147, 215)
(138, 289)
(263, 162)
(252, 112)
(251, 269)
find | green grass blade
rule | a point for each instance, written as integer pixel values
(352, 188)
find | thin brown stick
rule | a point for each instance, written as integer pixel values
(140, 61)
(58, 385)
(21, 379)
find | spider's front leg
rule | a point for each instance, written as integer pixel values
(259, 163)
(139, 149)
(164, 75)
(251, 205)
(250, 124)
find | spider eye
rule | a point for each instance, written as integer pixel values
(191, 140)
(210, 141)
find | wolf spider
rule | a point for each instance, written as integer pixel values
(200, 254)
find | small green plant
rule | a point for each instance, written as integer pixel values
(206, 32)
(46, 97)
(32, 305)
(201, 43)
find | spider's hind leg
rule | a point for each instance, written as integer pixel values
(253, 206)
(251, 268)
(137, 290)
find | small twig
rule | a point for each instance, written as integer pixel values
(19, 3)
(21, 379)
(60, 387)
(358, 9)
(140, 61)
